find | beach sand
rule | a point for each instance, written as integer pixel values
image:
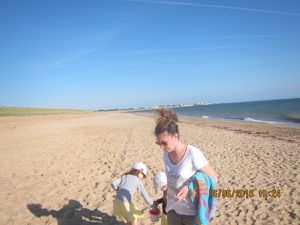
(57, 169)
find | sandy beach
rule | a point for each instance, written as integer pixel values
(57, 169)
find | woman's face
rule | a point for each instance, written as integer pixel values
(167, 142)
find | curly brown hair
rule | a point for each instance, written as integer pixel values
(166, 121)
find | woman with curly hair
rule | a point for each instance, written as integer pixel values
(181, 161)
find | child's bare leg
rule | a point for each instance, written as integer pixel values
(131, 223)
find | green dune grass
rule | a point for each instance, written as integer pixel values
(27, 111)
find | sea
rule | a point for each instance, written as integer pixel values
(283, 111)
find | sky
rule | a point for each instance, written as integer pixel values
(102, 54)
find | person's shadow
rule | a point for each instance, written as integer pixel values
(73, 213)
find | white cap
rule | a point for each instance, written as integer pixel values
(140, 166)
(159, 180)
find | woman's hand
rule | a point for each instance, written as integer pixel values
(182, 193)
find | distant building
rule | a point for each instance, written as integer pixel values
(162, 106)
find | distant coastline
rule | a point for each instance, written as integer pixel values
(160, 107)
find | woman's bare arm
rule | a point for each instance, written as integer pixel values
(210, 172)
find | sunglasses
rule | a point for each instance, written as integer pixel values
(161, 143)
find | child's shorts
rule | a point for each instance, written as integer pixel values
(164, 220)
(127, 211)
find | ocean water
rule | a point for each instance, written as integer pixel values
(285, 111)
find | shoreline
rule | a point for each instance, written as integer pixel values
(272, 131)
(271, 123)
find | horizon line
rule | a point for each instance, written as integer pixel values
(85, 109)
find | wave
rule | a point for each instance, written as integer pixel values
(248, 119)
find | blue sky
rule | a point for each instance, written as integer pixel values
(101, 54)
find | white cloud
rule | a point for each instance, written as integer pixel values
(60, 62)
(215, 6)
(190, 50)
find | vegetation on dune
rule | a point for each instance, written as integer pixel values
(28, 111)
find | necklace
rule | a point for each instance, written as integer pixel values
(177, 158)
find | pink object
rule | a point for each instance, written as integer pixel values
(154, 215)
